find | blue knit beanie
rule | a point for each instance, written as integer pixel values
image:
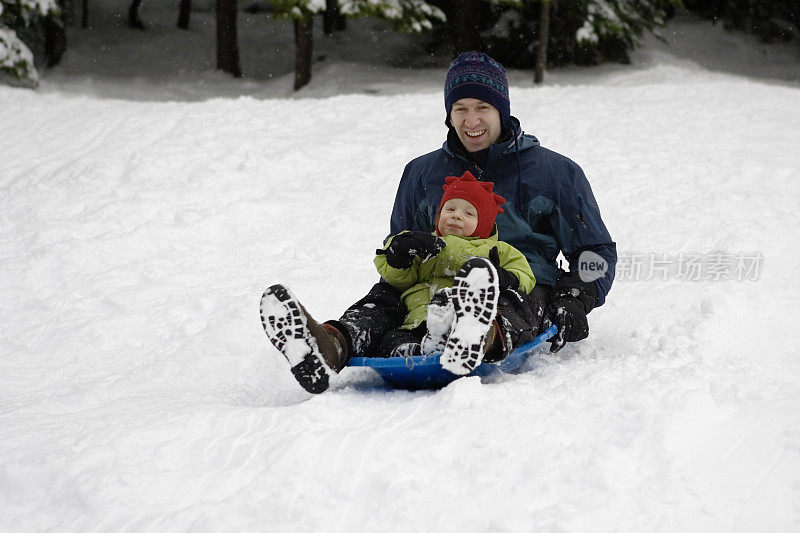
(476, 75)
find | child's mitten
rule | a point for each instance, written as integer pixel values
(407, 245)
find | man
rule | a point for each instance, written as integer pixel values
(549, 209)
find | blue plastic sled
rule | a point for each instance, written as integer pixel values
(425, 372)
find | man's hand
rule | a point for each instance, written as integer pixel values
(410, 244)
(506, 280)
(572, 301)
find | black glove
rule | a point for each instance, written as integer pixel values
(572, 301)
(505, 279)
(410, 244)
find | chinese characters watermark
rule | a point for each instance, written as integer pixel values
(685, 266)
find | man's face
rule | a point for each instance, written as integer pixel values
(476, 123)
(458, 217)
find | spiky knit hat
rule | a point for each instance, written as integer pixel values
(479, 194)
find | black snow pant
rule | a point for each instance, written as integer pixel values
(396, 338)
(521, 316)
(366, 323)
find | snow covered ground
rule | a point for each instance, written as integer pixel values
(140, 222)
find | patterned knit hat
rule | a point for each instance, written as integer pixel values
(479, 194)
(476, 75)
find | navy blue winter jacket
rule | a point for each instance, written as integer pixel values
(549, 203)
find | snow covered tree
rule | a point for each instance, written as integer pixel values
(580, 31)
(16, 57)
(410, 16)
(621, 22)
(407, 15)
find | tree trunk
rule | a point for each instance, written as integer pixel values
(85, 14)
(466, 33)
(227, 47)
(544, 35)
(183, 14)
(55, 40)
(333, 21)
(133, 16)
(304, 42)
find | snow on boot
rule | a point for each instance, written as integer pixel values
(312, 349)
(474, 297)
(441, 314)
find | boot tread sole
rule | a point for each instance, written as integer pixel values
(289, 333)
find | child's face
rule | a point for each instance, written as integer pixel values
(458, 217)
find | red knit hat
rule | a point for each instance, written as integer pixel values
(479, 194)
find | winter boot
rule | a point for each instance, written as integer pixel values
(494, 346)
(441, 314)
(313, 349)
(474, 298)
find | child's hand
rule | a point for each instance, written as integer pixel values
(410, 244)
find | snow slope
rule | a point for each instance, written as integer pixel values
(138, 392)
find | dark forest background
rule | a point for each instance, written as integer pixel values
(522, 34)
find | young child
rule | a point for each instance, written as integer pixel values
(450, 289)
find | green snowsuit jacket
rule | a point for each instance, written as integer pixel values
(421, 281)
